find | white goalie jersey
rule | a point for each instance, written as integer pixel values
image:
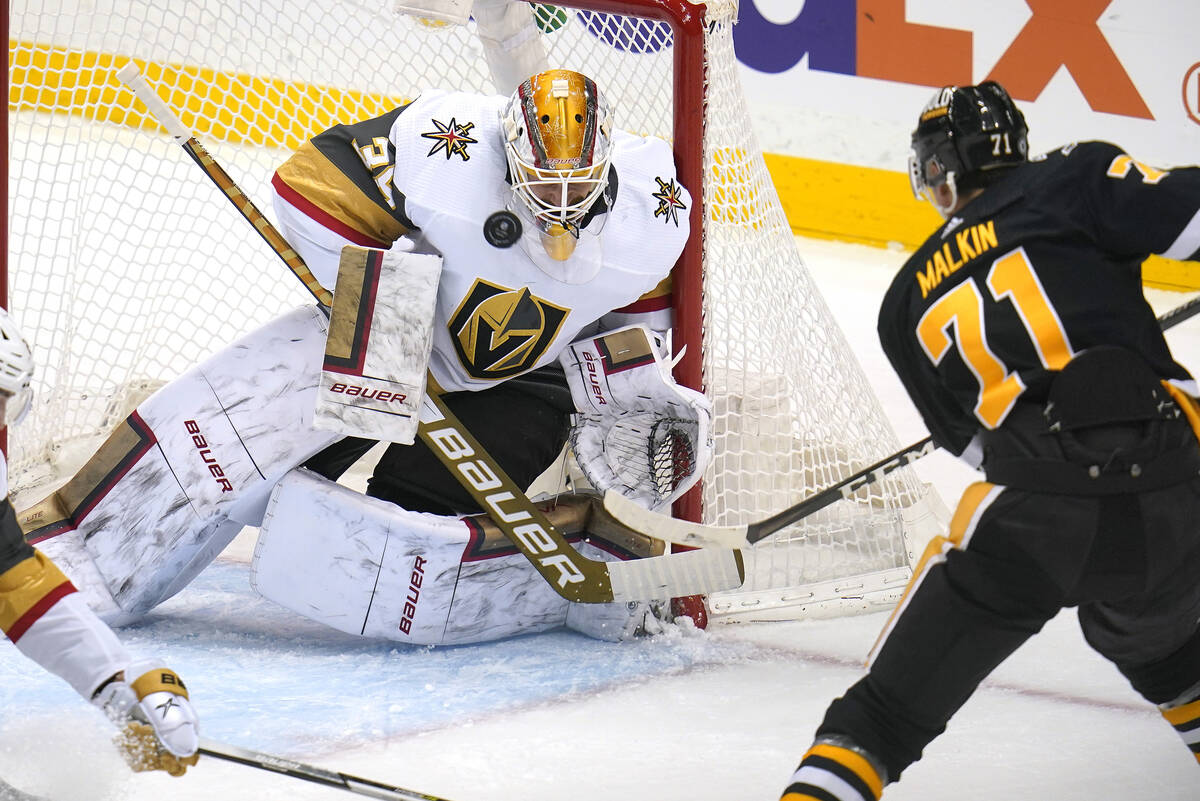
(436, 171)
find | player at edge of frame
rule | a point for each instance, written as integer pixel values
(44, 616)
(1020, 332)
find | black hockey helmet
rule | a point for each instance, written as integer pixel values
(963, 134)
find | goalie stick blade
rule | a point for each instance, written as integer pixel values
(311, 773)
(675, 575)
(668, 529)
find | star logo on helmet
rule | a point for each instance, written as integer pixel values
(451, 139)
(669, 200)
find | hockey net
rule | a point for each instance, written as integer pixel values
(126, 266)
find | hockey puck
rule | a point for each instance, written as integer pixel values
(502, 229)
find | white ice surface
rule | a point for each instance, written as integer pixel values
(693, 716)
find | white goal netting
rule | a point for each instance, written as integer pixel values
(126, 266)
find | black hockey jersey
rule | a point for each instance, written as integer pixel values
(1043, 265)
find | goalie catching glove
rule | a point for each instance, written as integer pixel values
(159, 728)
(636, 431)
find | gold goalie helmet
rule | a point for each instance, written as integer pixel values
(557, 129)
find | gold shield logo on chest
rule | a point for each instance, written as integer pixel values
(500, 332)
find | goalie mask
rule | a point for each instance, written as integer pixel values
(557, 129)
(966, 136)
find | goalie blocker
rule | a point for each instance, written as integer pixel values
(373, 376)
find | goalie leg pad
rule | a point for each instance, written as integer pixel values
(175, 482)
(357, 564)
(369, 567)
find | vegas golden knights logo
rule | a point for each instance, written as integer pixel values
(500, 332)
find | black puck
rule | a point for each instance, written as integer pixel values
(502, 229)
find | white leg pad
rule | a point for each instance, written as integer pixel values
(194, 463)
(369, 567)
(612, 622)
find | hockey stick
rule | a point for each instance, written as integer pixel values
(10, 793)
(132, 77)
(311, 773)
(698, 535)
(569, 573)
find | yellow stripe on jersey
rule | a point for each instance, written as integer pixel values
(1191, 409)
(1183, 714)
(1186, 722)
(311, 174)
(24, 586)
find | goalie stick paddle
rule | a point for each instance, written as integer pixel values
(572, 575)
(311, 773)
(698, 535)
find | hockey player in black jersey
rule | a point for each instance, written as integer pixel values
(1020, 331)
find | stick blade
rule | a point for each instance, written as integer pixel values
(698, 572)
(668, 529)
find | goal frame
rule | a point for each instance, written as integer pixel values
(784, 443)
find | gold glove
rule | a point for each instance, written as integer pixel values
(143, 751)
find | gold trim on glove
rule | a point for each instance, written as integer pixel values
(158, 680)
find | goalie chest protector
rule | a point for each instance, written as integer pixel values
(499, 313)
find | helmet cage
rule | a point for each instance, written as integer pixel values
(557, 197)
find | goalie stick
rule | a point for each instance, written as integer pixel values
(698, 535)
(572, 575)
(311, 773)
